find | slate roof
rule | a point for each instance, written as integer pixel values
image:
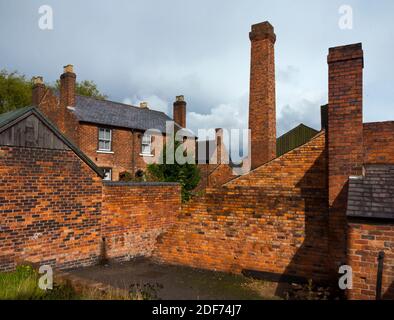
(372, 195)
(117, 114)
(9, 118)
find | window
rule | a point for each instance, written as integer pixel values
(105, 137)
(107, 174)
(146, 144)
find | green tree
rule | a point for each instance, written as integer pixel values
(15, 91)
(188, 175)
(86, 88)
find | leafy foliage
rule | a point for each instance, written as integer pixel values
(15, 91)
(86, 88)
(188, 175)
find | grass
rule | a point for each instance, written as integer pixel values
(22, 284)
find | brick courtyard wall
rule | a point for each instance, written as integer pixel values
(50, 206)
(135, 214)
(365, 240)
(277, 226)
(222, 174)
(379, 142)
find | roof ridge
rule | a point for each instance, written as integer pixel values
(119, 103)
(299, 125)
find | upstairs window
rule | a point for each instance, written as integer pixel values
(146, 146)
(105, 139)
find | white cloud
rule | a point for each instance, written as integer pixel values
(154, 102)
(225, 115)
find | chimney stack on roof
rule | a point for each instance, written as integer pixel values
(67, 86)
(38, 90)
(179, 111)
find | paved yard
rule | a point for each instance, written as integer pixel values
(178, 282)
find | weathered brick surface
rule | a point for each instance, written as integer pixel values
(274, 220)
(378, 142)
(345, 140)
(303, 167)
(366, 240)
(126, 144)
(50, 206)
(134, 215)
(126, 149)
(262, 105)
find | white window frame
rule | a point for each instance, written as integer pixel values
(105, 140)
(145, 143)
(109, 170)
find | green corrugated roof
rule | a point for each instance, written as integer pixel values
(294, 138)
(8, 117)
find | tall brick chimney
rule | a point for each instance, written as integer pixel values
(262, 105)
(38, 90)
(67, 86)
(179, 111)
(344, 139)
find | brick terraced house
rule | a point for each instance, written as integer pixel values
(110, 133)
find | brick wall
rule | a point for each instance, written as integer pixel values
(135, 214)
(274, 220)
(58, 114)
(126, 149)
(345, 140)
(366, 240)
(303, 167)
(50, 206)
(379, 142)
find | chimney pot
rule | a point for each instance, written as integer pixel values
(68, 68)
(38, 80)
(144, 105)
(180, 98)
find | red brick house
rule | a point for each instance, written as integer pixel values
(110, 133)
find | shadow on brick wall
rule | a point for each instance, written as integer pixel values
(389, 294)
(310, 259)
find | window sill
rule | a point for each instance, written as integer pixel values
(106, 152)
(146, 155)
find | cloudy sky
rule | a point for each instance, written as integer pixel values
(154, 50)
